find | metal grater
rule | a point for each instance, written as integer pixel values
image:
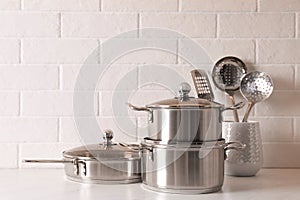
(202, 84)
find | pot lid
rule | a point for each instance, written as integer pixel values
(105, 151)
(184, 100)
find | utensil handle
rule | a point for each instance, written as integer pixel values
(250, 105)
(235, 107)
(46, 161)
(235, 112)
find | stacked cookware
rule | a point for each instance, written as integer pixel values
(184, 152)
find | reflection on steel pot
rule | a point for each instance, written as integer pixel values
(184, 118)
(185, 168)
(101, 163)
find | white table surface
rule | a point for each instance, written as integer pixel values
(46, 184)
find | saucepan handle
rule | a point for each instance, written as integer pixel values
(46, 161)
(235, 145)
(138, 108)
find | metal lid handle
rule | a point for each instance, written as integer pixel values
(108, 136)
(184, 90)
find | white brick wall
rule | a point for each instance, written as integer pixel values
(139, 5)
(10, 4)
(97, 25)
(257, 25)
(217, 6)
(45, 42)
(26, 24)
(10, 51)
(58, 5)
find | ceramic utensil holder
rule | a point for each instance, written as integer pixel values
(248, 161)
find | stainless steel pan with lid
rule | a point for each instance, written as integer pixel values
(184, 118)
(109, 163)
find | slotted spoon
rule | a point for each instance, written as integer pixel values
(227, 74)
(256, 87)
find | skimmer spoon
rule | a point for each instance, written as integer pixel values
(256, 87)
(227, 74)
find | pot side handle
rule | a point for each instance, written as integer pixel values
(235, 145)
(137, 108)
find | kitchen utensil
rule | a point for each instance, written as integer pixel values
(108, 163)
(202, 84)
(183, 167)
(184, 118)
(255, 87)
(248, 161)
(227, 74)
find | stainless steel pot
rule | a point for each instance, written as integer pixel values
(108, 163)
(184, 118)
(185, 168)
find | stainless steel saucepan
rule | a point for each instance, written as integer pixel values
(185, 168)
(184, 118)
(109, 163)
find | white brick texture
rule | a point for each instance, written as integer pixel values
(54, 51)
(139, 5)
(193, 25)
(9, 51)
(257, 25)
(216, 5)
(18, 24)
(275, 129)
(279, 6)
(9, 102)
(10, 4)
(10, 156)
(29, 77)
(284, 51)
(281, 103)
(58, 5)
(119, 72)
(53, 103)
(219, 48)
(45, 43)
(19, 129)
(97, 25)
(139, 51)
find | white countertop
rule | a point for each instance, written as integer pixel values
(46, 184)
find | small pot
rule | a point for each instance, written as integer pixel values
(185, 168)
(184, 118)
(108, 163)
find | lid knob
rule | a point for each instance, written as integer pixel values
(184, 90)
(108, 136)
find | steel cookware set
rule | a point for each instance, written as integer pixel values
(184, 151)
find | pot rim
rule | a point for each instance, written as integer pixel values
(190, 145)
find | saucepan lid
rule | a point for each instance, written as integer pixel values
(183, 100)
(108, 150)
